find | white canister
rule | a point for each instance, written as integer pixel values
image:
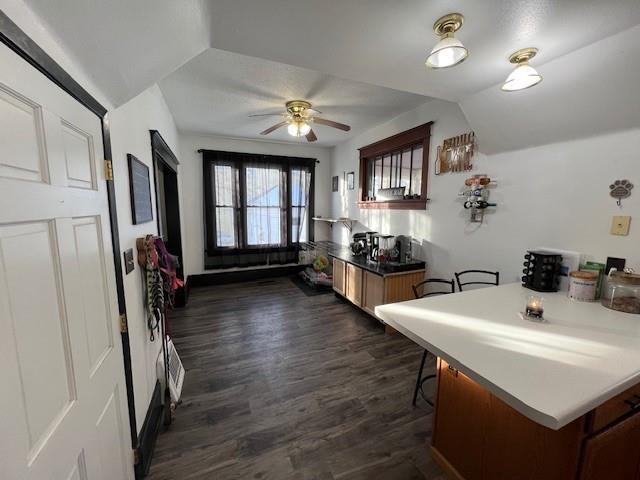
(582, 285)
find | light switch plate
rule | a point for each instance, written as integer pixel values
(620, 225)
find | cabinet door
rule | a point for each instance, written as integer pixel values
(614, 453)
(460, 424)
(517, 448)
(338, 276)
(354, 284)
(372, 292)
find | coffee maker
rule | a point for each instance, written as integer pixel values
(359, 244)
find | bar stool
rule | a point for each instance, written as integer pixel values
(451, 289)
(494, 278)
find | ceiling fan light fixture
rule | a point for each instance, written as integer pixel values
(524, 76)
(298, 128)
(449, 51)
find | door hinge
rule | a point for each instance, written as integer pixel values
(136, 456)
(108, 170)
(123, 323)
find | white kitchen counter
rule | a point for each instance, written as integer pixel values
(550, 372)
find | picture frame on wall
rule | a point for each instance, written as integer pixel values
(140, 191)
(351, 177)
(334, 183)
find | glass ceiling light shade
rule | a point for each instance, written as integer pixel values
(298, 128)
(449, 51)
(524, 75)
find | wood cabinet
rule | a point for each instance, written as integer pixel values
(353, 284)
(372, 292)
(614, 453)
(339, 276)
(367, 289)
(478, 436)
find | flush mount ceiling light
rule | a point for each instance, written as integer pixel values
(449, 51)
(524, 76)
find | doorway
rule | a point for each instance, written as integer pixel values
(165, 165)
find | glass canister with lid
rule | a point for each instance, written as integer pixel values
(621, 291)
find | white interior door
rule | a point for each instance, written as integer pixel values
(63, 400)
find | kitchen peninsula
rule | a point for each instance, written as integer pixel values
(526, 400)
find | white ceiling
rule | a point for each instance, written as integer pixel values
(127, 46)
(217, 91)
(386, 42)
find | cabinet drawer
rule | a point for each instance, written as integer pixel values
(615, 408)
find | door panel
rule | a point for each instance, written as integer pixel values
(63, 407)
(38, 328)
(21, 137)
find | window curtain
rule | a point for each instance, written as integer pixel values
(259, 211)
(300, 201)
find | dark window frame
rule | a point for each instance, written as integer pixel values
(417, 136)
(240, 161)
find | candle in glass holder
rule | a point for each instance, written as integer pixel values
(534, 307)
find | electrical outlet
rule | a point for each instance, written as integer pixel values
(620, 225)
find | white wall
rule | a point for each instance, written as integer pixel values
(130, 125)
(555, 195)
(191, 179)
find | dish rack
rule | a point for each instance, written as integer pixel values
(318, 273)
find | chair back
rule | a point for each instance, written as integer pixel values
(450, 287)
(493, 278)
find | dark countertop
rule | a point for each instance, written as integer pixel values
(344, 254)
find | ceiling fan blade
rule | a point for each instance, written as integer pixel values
(281, 114)
(314, 110)
(331, 123)
(311, 136)
(273, 127)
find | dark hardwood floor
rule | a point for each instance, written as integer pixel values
(280, 385)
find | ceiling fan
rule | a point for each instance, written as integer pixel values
(299, 116)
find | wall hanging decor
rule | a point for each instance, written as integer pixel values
(334, 183)
(351, 181)
(620, 189)
(477, 196)
(456, 154)
(140, 190)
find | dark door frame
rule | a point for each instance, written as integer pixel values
(165, 159)
(18, 41)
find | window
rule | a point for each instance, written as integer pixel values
(399, 163)
(257, 208)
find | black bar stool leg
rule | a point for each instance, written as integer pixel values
(419, 380)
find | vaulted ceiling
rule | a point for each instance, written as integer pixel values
(584, 54)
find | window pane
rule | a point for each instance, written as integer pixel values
(299, 187)
(371, 170)
(296, 215)
(263, 186)
(263, 226)
(224, 184)
(386, 171)
(416, 171)
(225, 227)
(378, 179)
(406, 170)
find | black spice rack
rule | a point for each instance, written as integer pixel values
(541, 271)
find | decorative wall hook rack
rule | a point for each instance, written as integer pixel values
(620, 189)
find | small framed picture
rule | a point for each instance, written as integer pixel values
(351, 178)
(334, 184)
